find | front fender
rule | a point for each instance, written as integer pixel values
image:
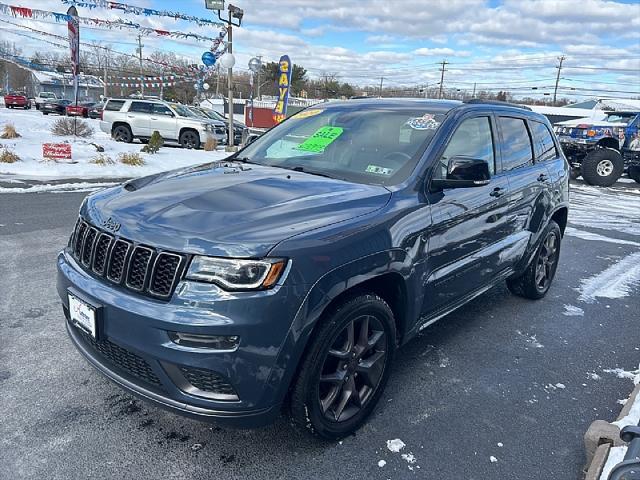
(329, 287)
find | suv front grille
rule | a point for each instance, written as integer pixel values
(139, 268)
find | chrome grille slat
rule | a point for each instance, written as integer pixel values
(139, 268)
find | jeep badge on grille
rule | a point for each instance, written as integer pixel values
(111, 224)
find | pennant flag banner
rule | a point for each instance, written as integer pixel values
(148, 12)
(138, 85)
(36, 14)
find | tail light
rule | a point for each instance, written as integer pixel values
(101, 114)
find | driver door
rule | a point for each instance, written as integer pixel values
(163, 120)
(469, 224)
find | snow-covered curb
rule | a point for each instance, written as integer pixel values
(610, 448)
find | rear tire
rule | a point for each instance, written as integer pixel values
(602, 167)
(534, 283)
(122, 133)
(190, 139)
(346, 367)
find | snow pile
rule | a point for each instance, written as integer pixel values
(35, 129)
(395, 445)
(616, 455)
(617, 281)
(573, 311)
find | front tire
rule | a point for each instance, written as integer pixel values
(634, 172)
(602, 167)
(190, 139)
(122, 133)
(534, 283)
(346, 367)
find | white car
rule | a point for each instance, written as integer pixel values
(126, 119)
(43, 97)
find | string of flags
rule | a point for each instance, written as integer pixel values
(91, 4)
(146, 84)
(36, 14)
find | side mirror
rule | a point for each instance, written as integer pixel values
(464, 172)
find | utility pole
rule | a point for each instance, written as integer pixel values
(473, 95)
(104, 79)
(140, 45)
(230, 137)
(559, 67)
(381, 80)
(443, 63)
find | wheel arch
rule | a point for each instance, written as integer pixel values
(120, 124)
(561, 217)
(392, 285)
(609, 142)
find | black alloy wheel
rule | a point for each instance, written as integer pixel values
(547, 261)
(122, 133)
(352, 369)
(345, 368)
(535, 281)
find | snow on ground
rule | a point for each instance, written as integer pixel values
(60, 187)
(616, 281)
(613, 208)
(35, 129)
(573, 232)
(616, 455)
(395, 445)
(573, 311)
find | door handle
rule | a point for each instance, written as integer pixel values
(130, 116)
(542, 177)
(153, 118)
(497, 192)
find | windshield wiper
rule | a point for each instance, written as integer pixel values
(310, 172)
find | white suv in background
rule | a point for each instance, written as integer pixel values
(44, 97)
(126, 119)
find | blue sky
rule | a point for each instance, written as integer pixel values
(507, 44)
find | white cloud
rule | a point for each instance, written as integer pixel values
(441, 52)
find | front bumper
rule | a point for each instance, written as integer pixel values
(134, 349)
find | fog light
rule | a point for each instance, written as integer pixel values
(213, 342)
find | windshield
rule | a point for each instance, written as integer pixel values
(620, 117)
(182, 111)
(366, 145)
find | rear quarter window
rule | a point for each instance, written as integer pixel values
(516, 147)
(544, 145)
(114, 105)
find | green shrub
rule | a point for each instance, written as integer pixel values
(155, 142)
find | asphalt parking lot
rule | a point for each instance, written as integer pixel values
(504, 388)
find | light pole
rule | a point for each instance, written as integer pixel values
(228, 60)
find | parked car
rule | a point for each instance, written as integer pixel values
(55, 106)
(601, 150)
(17, 100)
(127, 119)
(95, 111)
(239, 130)
(45, 97)
(286, 276)
(80, 110)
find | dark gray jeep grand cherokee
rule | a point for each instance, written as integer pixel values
(286, 276)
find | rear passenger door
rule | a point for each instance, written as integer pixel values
(528, 180)
(138, 118)
(469, 224)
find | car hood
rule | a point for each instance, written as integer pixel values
(228, 209)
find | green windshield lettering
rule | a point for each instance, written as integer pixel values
(321, 139)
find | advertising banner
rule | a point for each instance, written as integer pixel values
(284, 85)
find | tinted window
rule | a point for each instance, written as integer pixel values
(114, 105)
(545, 148)
(471, 139)
(141, 107)
(516, 144)
(160, 109)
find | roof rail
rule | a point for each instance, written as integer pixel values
(479, 101)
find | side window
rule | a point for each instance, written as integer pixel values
(473, 139)
(544, 146)
(160, 109)
(114, 105)
(140, 107)
(517, 150)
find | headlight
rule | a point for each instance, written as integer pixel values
(236, 274)
(206, 126)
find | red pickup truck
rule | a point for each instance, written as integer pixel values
(17, 99)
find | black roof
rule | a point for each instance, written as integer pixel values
(432, 105)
